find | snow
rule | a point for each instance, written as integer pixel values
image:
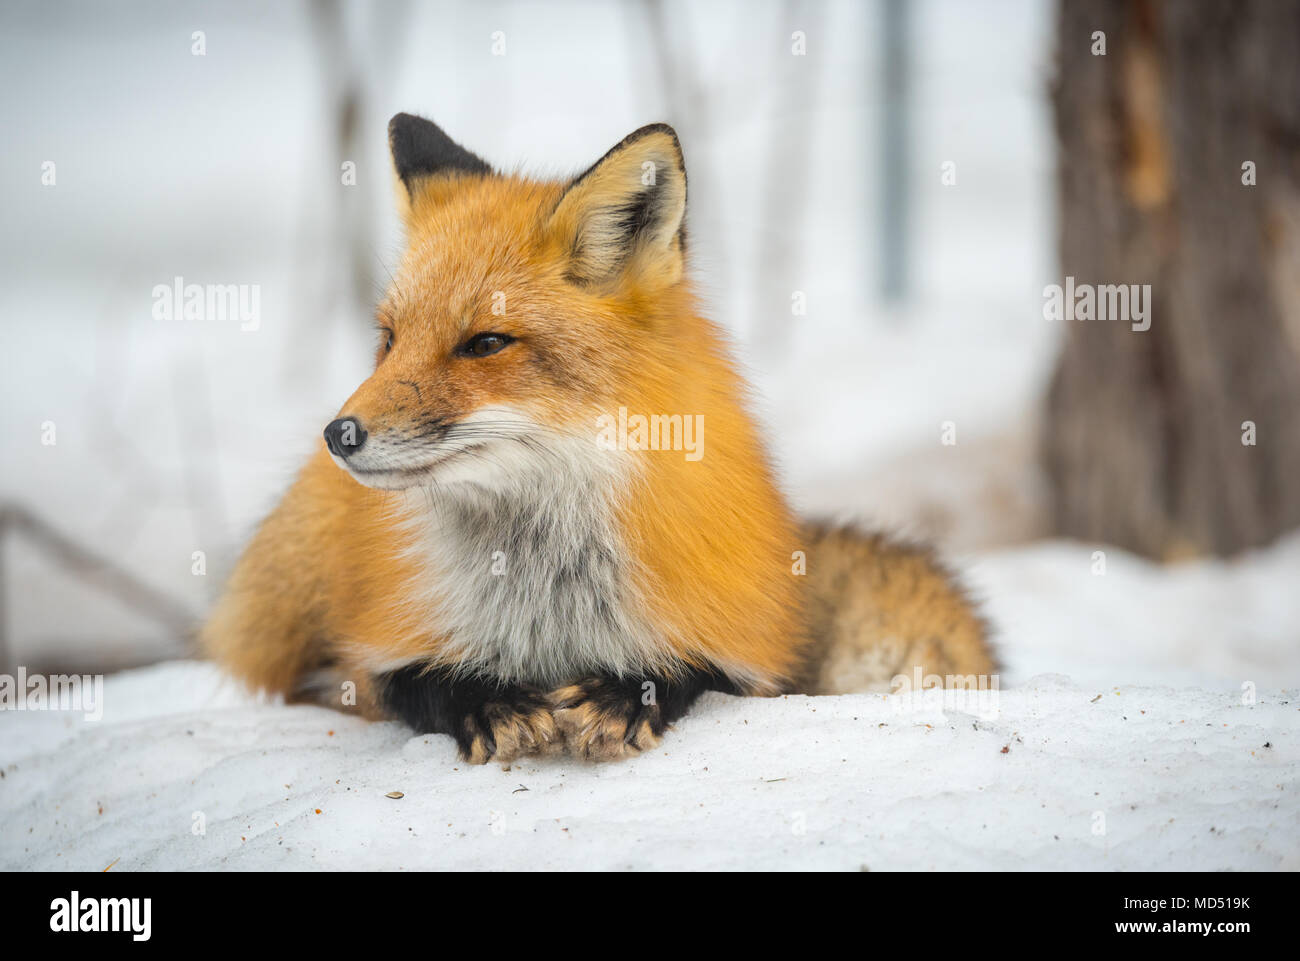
(1211, 623)
(1110, 770)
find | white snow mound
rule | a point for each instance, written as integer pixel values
(184, 772)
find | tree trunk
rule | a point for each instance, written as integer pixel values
(1146, 439)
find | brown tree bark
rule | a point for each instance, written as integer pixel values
(1143, 434)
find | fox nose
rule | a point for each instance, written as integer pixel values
(345, 436)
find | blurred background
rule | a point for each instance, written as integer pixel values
(880, 193)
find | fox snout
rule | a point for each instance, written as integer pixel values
(345, 436)
(485, 447)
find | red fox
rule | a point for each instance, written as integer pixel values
(546, 522)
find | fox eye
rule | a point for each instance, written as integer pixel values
(388, 340)
(481, 345)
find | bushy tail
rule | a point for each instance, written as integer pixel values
(880, 608)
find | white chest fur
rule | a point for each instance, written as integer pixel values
(531, 581)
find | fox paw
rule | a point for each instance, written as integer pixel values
(605, 720)
(502, 730)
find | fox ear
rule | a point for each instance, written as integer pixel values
(420, 150)
(623, 216)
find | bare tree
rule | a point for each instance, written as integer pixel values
(1179, 167)
(780, 267)
(106, 573)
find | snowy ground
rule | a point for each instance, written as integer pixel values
(1110, 770)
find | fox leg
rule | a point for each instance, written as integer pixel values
(608, 718)
(271, 627)
(490, 721)
(272, 641)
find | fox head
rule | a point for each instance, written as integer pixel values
(521, 310)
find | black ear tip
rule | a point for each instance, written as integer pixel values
(656, 128)
(402, 131)
(420, 148)
(404, 121)
(406, 129)
(651, 129)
